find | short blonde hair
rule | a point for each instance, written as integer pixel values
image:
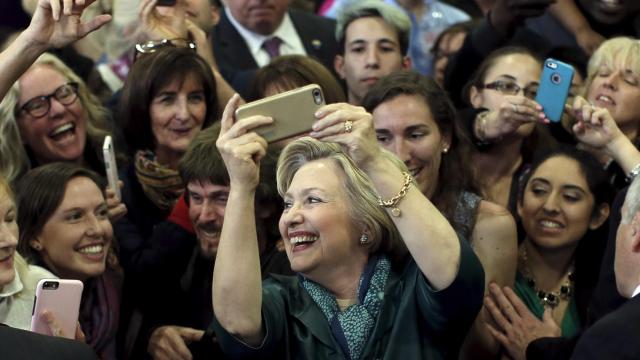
(14, 160)
(617, 49)
(361, 195)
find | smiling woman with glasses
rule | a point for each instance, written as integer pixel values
(49, 115)
(39, 106)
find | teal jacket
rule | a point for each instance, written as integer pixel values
(414, 321)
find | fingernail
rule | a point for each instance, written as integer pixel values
(318, 114)
(313, 134)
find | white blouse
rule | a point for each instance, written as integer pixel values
(16, 298)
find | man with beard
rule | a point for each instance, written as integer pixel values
(179, 309)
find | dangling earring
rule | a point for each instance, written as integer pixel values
(445, 150)
(364, 239)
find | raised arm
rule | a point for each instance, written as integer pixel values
(55, 23)
(597, 129)
(431, 240)
(237, 284)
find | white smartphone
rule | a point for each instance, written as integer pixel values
(110, 165)
(62, 298)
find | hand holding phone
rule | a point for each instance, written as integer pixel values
(59, 300)
(111, 168)
(555, 83)
(292, 112)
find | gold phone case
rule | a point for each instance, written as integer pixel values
(292, 112)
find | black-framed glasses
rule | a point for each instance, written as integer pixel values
(39, 106)
(511, 88)
(152, 46)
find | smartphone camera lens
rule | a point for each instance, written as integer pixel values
(556, 78)
(50, 285)
(317, 96)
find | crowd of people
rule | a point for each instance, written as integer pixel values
(432, 211)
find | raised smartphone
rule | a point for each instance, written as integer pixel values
(61, 297)
(111, 168)
(555, 83)
(292, 112)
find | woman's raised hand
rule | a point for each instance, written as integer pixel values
(57, 23)
(513, 112)
(595, 126)
(240, 147)
(164, 22)
(350, 126)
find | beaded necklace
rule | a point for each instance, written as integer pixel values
(547, 298)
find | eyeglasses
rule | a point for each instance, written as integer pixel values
(152, 46)
(39, 106)
(511, 88)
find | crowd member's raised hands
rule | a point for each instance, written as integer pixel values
(57, 23)
(513, 112)
(597, 129)
(163, 22)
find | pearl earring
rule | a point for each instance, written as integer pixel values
(364, 239)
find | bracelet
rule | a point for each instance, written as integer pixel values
(393, 202)
(633, 173)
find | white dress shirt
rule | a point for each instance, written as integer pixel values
(291, 42)
(637, 291)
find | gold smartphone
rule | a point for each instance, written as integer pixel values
(292, 112)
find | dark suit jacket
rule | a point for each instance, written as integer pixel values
(20, 344)
(615, 336)
(236, 64)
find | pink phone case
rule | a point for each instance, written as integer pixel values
(62, 298)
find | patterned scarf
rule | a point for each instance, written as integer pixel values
(163, 186)
(352, 327)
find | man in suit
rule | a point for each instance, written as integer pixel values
(617, 336)
(252, 32)
(373, 39)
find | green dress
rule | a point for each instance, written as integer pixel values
(570, 322)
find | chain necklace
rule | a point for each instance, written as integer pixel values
(547, 298)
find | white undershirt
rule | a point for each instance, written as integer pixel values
(291, 43)
(637, 291)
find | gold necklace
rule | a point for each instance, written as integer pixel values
(547, 298)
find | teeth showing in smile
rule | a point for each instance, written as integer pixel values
(415, 171)
(92, 250)
(59, 130)
(302, 240)
(550, 224)
(605, 99)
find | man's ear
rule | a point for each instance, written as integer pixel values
(635, 232)
(215, 15)
(338, 64)
(475, 97)
(599, 216)
(406, 63)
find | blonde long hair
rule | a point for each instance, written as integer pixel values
(14, 160)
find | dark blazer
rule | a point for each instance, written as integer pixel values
(615, 336)
(414, 321)
(21, 344)
(236, 64)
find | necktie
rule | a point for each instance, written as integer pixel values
(272, 47)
